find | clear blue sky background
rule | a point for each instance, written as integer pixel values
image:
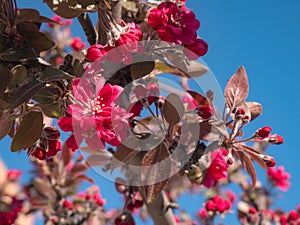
(264, 37)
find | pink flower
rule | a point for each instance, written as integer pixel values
(197, 49)
(77, 44)
(95, 52)
(13, 175)
(279, 178)
(174, 24)
(217, 169)
(97, 119)
(121, 49)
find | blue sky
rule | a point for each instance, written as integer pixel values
(264, 37)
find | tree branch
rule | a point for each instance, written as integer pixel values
(160, 211)
(88, 28)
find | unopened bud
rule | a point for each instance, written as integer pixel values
(268, 160)
(264, 132)
(276, 139)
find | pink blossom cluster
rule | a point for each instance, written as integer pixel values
(178, 25)
(9, 217)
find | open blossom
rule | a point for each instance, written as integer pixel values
(96, 118)
(279, 178)
(217, 169)
(174, 24)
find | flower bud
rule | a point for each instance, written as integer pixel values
(240, 111)
(210, 205)
(252, 211)
(276, 139)
(268, 160)
(67, 204)
(202, 213)
(13, 175)
(95, 52)
(293, 215)
(77, 44)
(205, 111)
(264, 132)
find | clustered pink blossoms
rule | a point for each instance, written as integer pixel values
(178, 25)
(9, 217)
(129, 37)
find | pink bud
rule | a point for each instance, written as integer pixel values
(210, 205)
(13, 175)
(77, 44)
(95, 52)
(205, 111)
(264, 132)
(276, 139)
(268, 160)
(217, 199)
(202, 213)
(240, 111)
(283, 219)
(252, 211)
(59, 61)
(229, 160)
(67, 204)
(293, 215)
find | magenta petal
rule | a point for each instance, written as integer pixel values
(65, 123)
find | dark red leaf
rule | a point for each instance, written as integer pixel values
(155, 172)
(200, 99)
(173, 109)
